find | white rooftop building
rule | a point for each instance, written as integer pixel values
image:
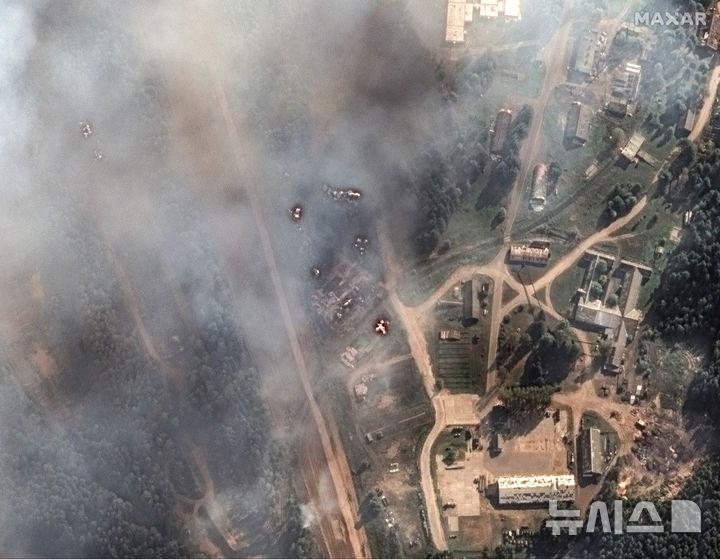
(536, 489)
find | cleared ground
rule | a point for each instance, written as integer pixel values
(528, 447)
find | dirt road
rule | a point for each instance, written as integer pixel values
(336, 465)
(413, 318)
(704, 116)
(554, 58)
(374, 367)
(437, 532)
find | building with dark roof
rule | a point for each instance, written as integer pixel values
(590, 452)
(595, 316)
(614, 362)
(577, 125)
(618, 108)
(471, 302)
(500, 131)
(686, 123)
(585, 54)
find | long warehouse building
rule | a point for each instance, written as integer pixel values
(535, 489)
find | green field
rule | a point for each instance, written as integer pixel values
(564, 287)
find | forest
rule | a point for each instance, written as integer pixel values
(553, 356)
(111, 467)
(676, 70)
(622, 199)
(685, 305)
(521, 400)
(443, 176)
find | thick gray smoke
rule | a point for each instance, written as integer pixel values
(142, 351)
(139, 327)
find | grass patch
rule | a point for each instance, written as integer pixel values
(564, 287)
(468, 224)
(421, 281)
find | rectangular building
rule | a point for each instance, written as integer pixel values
(500, 131)
(633, 145)
(591, 451)
(512, 9)
(535, 489)
(712, 37)
(533, 253)
(584, 56)
(538, 196)
(577, 125)
(471, 302)
(596, 316)
(618, 108)
(449, 335)
(686, 123)
(489, 8)
(455, 24)
(614, 362)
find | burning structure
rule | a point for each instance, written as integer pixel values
(86, 129)
(343, 194)
(296, 213)
(347, 287)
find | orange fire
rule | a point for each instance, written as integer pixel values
(381, 326)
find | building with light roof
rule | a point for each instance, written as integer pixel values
(512, 9)
(520, 490)
(529, 253)
(455, 24)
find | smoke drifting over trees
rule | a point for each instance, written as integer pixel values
(133, 393)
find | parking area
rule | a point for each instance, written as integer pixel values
(461, 409)
(528, 447)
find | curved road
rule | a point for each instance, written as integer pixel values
(413, 318)
(704, 116)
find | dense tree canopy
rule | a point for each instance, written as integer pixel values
(553, 356)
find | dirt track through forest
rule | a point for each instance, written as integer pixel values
(335, 461)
